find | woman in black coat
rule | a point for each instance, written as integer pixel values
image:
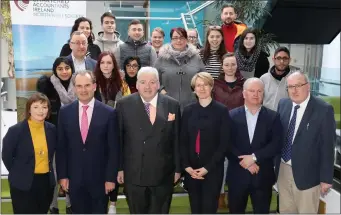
(84, 25)
(59, 89)
(27, 153)
(205, 132)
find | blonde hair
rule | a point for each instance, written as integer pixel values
(158, 29)
(205, 76)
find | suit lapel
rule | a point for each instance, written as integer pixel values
(244, 122)
(49, 139)
(95, 115)
(87, 64)
(161, 112)
(141, 114)
(259, 125)
(286, 116)
(306, 116)
(75, 118)
(27, 135)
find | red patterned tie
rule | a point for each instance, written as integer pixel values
(84, 123)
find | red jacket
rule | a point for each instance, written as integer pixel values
(231, 34)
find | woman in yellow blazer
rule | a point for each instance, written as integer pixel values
(28, 149)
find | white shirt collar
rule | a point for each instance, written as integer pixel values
(75, 60)
(247, 109)
(304, 104)
(91, 103)
(153, 101)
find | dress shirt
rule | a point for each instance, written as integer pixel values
(251, 122)
(89, 111)
(79, 65)
(153, 102)
(152, 108)
(299, 117)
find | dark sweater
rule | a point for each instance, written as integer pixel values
(214, 124)
(93, 49)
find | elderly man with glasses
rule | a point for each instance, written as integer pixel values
(306, 166)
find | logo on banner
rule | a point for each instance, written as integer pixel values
(21, 4)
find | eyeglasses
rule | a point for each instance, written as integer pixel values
(284, 59)
(132, 66)
(192, 37)
(80, 43)
(297, 86)
(178, 38)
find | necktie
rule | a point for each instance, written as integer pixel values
(147, 108)
(286, 152)
(84, 123)
(197, 143)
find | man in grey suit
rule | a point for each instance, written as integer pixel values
(149, 137)
(305, 169)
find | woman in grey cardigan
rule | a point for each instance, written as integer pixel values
(178, 62)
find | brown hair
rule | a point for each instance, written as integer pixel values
(37, 97)
(180, 31)
(83, 73)
(107, 14)
(206, 51)
(134, 22)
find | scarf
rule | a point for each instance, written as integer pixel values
(248, 63)
(66, 97)
(279, 77)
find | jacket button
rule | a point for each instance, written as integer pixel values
(144, 142)
(84, 150)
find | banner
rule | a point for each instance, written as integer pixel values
(40, 29)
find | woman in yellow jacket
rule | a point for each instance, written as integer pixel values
(28, 149)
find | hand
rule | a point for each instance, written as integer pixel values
(201, 172)
(176, 177)
(163, 92)
(254, 169)
(246, 161)
(120, 177)
(65, 184)
(193, 173)
(109, 186)
(325, 188)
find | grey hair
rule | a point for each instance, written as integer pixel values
(301, 73)
(148, 69)
(249, 80)
(83, 73)
(76, 33)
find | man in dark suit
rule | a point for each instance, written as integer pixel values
(306, 165)
(256, 142)
(87, 152)
(79, 46)
(149, 137)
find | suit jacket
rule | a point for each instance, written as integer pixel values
(312, 155)
(150, 153)
(96, 161)
(90, 63)
(266, 145)
(18, 154)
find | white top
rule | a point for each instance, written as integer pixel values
(89, 111)
(79, 65)
(299, 117)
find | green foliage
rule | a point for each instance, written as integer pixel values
(248, 11)
(6, 27)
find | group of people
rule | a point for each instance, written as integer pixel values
(144, 114)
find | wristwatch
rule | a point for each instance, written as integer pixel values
(254, 157)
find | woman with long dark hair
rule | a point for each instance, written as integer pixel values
(131, 66)
(109, 82)
(84, 25)
(59, 90)
(251, 59)
(214, 50)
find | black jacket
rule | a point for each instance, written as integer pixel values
(262, 65)
(18, 154)
(45, 86)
